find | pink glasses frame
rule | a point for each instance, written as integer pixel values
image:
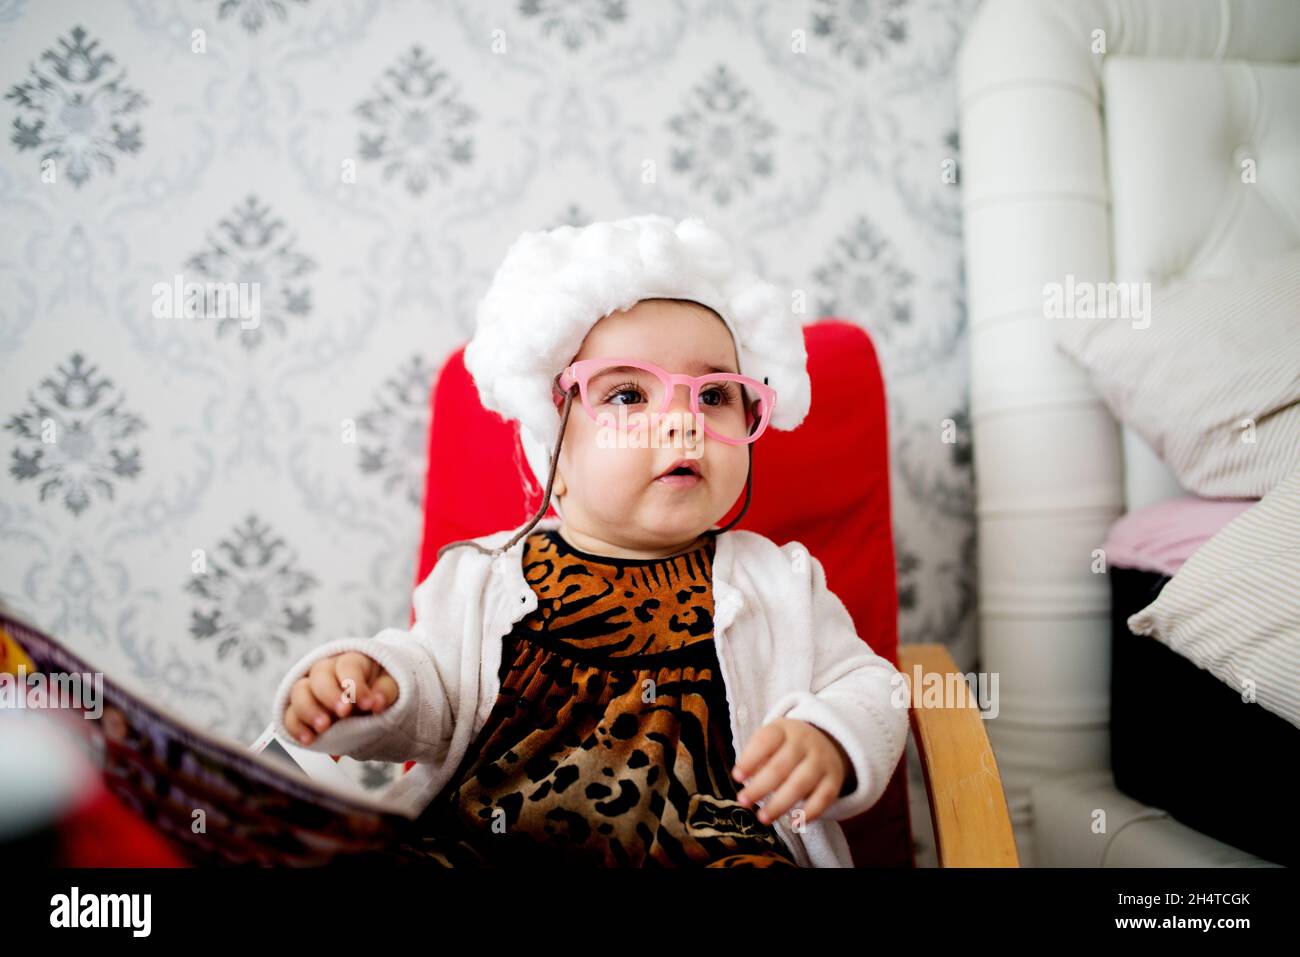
(580, 372)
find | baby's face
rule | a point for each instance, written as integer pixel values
(611, 494)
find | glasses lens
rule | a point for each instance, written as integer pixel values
(723, 408)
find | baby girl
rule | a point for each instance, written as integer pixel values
(628, 685)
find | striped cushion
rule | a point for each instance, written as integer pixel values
(1213, 382)
(1234, 607)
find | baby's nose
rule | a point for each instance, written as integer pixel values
(680, 399)
(678, 425)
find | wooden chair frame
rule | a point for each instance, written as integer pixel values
(968, 807)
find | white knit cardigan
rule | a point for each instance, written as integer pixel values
(785, 643)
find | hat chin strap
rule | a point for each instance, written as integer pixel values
(550, 480)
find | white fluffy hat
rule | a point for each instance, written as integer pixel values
(553, 286)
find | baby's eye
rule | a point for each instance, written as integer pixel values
(718, 395)
(628, 389)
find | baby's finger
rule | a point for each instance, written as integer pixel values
(771, 775)
(384, 691)
(325, 685)
(301, 733)
(307, 708)
(758, 749)
(798, 785)
(822, 797)
(353, 672)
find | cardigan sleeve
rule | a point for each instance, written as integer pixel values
(857, 697)
(424, 661)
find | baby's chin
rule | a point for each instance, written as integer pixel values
(679, 521)
(657, 520)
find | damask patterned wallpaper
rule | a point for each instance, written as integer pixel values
(194, 501)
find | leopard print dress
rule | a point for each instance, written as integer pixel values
(609, 744)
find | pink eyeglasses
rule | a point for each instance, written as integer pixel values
(723, 412)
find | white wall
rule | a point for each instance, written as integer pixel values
(822, 151)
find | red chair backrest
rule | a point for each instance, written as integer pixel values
(825, 484)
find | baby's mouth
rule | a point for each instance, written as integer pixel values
(685, 473)
(683, 468)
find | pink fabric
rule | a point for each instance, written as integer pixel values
(1161, 537)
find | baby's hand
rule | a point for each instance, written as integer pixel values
(331, 687)
(797, 760)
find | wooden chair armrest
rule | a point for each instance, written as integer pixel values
(972, 827)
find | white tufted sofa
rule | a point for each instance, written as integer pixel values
(1122, 165)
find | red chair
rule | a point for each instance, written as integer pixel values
(825, 484)
(103, 831)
